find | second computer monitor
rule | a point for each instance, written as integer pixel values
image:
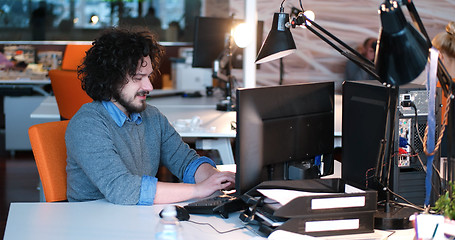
(284, 131)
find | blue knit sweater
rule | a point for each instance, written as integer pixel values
(108, 161)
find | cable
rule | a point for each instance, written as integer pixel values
(426, 130)
(219, 232)
(425, 170)
(367, 178)
(443, 127)
(424, 140)
(416, 122)
(410, 204)
(399, 196)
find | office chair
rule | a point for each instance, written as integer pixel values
(68, 92)
(65, 84)
(74, 54)
(49, 150)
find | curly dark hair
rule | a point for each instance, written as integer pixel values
(114, 56)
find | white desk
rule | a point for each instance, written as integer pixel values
(103, 220)
(35, 84)
(214, 132)
(18, 104)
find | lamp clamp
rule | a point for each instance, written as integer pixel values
(299, 20)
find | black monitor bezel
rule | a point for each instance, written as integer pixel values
(256, 105)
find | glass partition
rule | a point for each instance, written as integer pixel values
(81, 20)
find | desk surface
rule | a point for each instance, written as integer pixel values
(23, 78)
(213, 126)
(214, 123)
(25, 81)
(34, 84)
(103, 220)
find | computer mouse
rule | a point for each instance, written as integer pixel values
(182, 213)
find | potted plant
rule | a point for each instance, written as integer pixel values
(445, 205)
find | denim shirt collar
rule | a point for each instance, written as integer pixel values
(119, 117)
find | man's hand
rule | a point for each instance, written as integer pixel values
(208, 180)
(215, 182)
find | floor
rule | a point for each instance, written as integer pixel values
(18, 182)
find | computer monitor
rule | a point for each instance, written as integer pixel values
(364, 124)
(284, 132)
(210, 36)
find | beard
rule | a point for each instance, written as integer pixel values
(130, 106)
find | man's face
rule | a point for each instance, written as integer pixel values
(133, 94)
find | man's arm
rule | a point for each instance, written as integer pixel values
(204, 171)
(208, 180)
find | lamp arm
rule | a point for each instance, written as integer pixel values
(352, 54)
(417, 20)
(443, 75)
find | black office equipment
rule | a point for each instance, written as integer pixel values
(364, 116)
(281, 129)
(283, 132)
(364, 121)
(210, 36)
(336, 208)
(411, 120)
(222, 205)
(214, 47)
(182, 213)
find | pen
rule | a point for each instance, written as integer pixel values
(435, 230)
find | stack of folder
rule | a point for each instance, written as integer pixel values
(315, 207)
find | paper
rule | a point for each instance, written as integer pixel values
(284, 196)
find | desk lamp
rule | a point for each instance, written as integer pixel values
(238, 37)
(401, 56)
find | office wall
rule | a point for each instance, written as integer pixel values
(351, 21)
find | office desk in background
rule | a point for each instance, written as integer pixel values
(20, 98)
(25, 83)
(214, 131)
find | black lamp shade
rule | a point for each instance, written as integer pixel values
(279, 42)
(403, 51)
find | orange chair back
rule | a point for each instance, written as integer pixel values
(73, 56)
(49, 149)
(68, 92)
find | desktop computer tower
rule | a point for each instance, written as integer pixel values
(409, 161)
(365, 106)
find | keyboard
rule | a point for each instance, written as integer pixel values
(220, 204)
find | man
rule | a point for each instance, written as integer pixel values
(353, 71)
(116, 143)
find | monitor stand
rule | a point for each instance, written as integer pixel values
(396, 217)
